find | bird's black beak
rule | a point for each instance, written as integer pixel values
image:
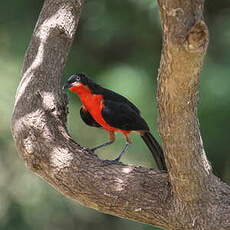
(66, 86)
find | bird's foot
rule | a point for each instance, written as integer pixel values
(115, 161)
(92, 149)
(88, 150)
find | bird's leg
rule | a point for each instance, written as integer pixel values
(111, 140)
(125, 148)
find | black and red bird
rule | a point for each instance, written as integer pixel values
(106, 109)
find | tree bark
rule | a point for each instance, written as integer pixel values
(189, 196)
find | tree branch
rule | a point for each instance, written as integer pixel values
(146, 195)
(185, 41)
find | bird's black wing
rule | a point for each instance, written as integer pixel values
(112, 96)
(123, 116)
(87, 118)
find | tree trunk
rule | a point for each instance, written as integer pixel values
(189, 196)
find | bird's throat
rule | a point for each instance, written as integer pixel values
(81, 90)
(92, 102)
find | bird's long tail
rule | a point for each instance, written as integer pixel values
(155, 149)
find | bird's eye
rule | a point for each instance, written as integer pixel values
(78, 78)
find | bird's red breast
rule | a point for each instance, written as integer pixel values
(93, 103)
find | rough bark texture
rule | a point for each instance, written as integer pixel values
(189, 196)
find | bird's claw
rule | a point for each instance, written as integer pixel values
(85, 149)
(109, 162)
(92, 149)
(88, 150)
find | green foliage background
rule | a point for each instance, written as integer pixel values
(118, 44)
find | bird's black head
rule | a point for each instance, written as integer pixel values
(78, 78)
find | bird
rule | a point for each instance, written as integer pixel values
(106, 109)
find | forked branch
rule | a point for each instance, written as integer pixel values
(190, 197)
